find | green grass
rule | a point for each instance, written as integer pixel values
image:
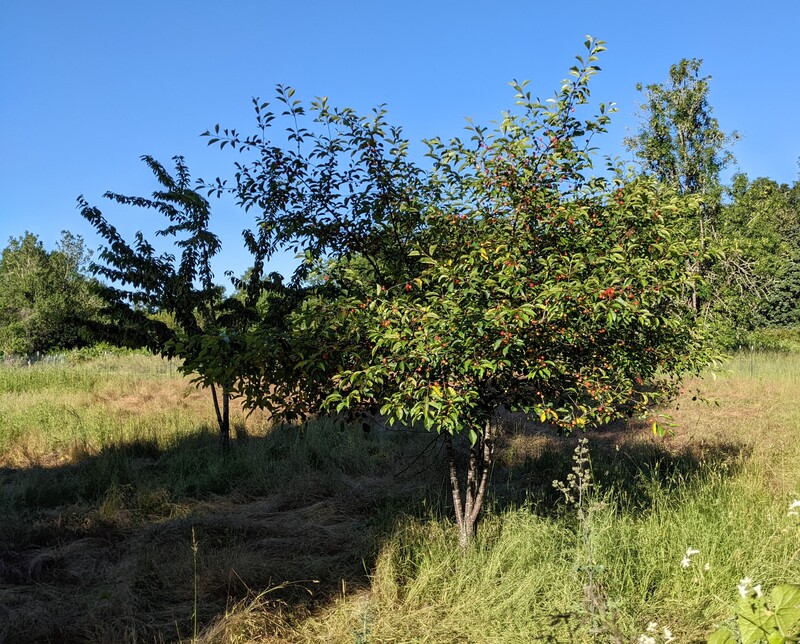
(54, 414)
(524, 576)
(320, 533)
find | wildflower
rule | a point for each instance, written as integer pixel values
(744, 586)
(757, 590)
(652, 627)
(646, 639)
(794, 508)
(687, 558)
(707, 567)
(668, 636)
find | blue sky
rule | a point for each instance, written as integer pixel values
(87, 87)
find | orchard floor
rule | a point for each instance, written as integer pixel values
(121, 520)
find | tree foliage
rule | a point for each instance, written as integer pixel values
(46, 300)
(206, 329)
(343, 185)
(763, 222)
(341, 192)
(505, 277)
(680, 142)
(682, 145)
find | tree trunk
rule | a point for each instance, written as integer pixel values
(468, 502)
(223, 416)
(225, 429)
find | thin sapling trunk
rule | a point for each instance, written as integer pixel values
(468, 502)
(223, 415)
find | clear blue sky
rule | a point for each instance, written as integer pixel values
(87, 87)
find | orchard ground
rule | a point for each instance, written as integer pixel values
(121, 520)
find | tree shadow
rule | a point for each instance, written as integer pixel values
(131, 543)
(625, 459)
(135, 542)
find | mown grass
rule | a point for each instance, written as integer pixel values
(320, 533)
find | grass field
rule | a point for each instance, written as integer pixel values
(122, 521)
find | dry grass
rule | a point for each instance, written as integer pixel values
(125, 565)
(60, 413)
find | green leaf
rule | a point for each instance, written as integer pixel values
(755, 622)
(786, 605)
(722, 635)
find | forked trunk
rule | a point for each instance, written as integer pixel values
(468, 502)
(223, 415)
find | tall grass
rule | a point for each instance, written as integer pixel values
(724, 492)
(56, 411)
(523, 578)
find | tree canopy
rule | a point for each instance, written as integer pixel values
(504, 277)
(206, 324)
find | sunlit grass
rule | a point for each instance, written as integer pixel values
(524, 579)
(54, 412)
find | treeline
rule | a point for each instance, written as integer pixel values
(50, 301)
(749, 231)
(752, 298)
(761, 227)
(47, 300)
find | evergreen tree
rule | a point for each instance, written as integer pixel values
(46, 300)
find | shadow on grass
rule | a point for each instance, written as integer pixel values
(134, 543)
(112, 546)
(625, 459)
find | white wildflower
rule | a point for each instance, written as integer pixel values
(707, 567)
(646, 639)
(794, 508)
(687, 558)
(757, 590)
(744, 586)
(652, 627)
(668, 636)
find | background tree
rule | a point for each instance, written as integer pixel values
(47, 301)
(679, 141)
(681, 144)
(762, 220)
